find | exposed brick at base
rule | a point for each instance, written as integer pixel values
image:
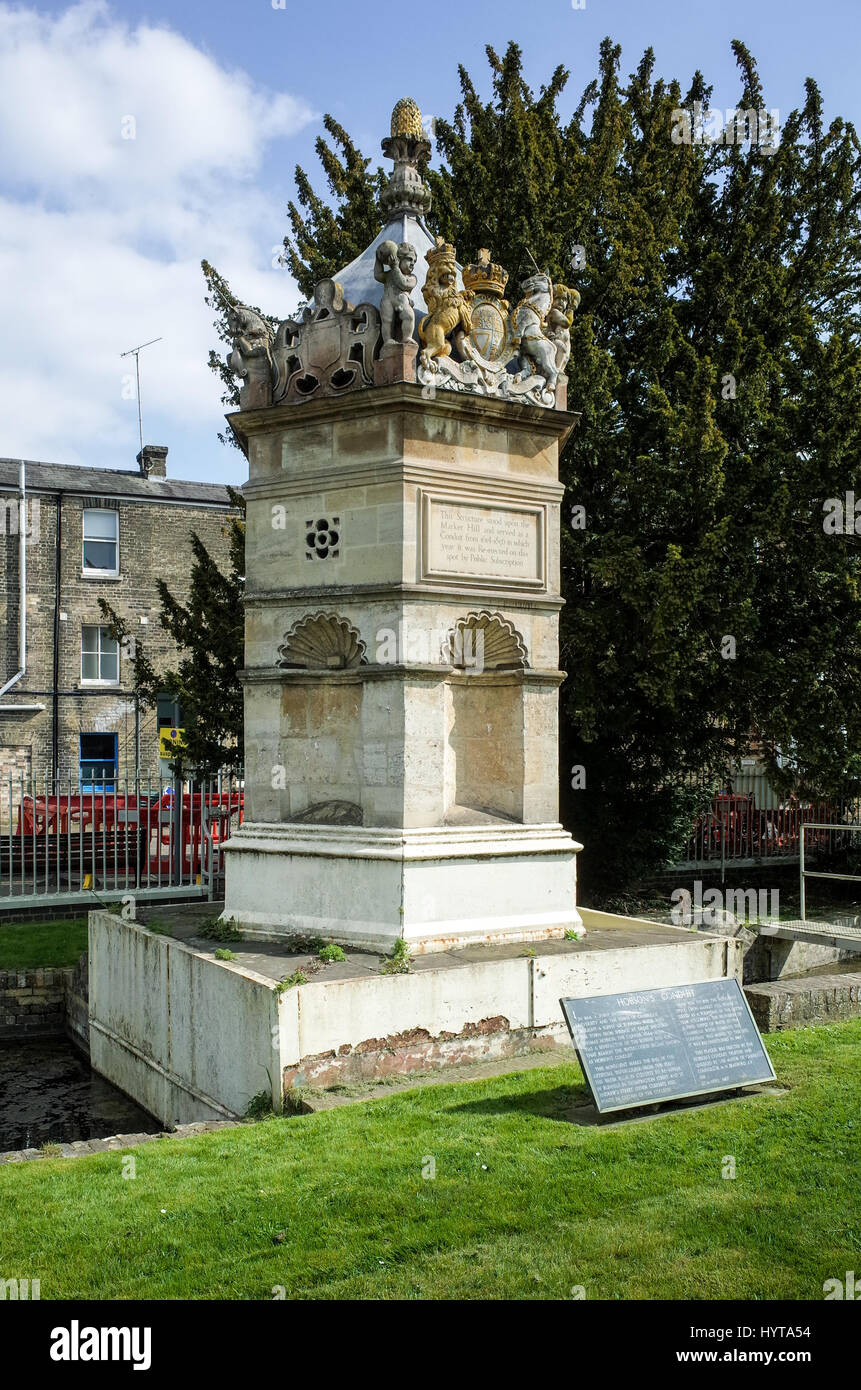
(416, 1051)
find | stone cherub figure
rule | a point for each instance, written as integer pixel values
(450, 308)
(251, 357)
(394, 268)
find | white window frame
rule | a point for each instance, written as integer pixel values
(89, 680)
(89, 572)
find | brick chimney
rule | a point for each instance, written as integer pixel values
(152, 461)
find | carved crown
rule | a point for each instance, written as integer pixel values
(407, 119)
(485, 277)
(442, 257)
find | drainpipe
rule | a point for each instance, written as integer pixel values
(55, 714)
(22, 588)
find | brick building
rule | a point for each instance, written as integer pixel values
(91, 533)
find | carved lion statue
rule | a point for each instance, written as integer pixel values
(450, 308)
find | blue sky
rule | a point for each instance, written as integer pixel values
(103, 222)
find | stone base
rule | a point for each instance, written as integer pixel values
(805, 1003)
(193, 1038)
(396, 362)
(437, 888)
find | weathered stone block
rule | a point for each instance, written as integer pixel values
(799, 1003)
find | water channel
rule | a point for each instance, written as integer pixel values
(49, 1094)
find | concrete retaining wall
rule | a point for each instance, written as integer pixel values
(772, 958)
(190, 1038)
(32, 1003)
(353, 1030)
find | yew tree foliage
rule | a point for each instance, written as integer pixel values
(715, 367)
(328, 235)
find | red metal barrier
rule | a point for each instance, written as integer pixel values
(80, 814)
(197, 809)
(733, 828)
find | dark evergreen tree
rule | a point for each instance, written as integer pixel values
(326, 238)
(715, 366)
(209, 632)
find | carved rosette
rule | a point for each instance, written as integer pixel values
(485, 642)
(322, 642)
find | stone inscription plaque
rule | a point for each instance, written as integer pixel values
(663, 1044)
(466, 540)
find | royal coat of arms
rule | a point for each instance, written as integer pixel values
(473, 341)
(488, 342)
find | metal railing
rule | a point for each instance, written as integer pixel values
(61, 841)
(828, 840)
(746, 821)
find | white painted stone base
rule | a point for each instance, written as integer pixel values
(437, 888)
(193, 1038)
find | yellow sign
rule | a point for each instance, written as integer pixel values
(170, 741)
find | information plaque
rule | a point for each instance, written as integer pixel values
(464, 540)
(652, 1045)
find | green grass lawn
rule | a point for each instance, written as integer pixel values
(523, 1204)
(27, 945)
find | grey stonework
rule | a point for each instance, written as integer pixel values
(805, 1003)
(32, 1003)
(156, 518)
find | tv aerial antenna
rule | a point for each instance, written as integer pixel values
(136, 353)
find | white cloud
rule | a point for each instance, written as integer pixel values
(101, 236)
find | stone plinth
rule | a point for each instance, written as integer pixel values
(402, 671)
(805, 1003)
(396, 362)
(435, 888)
(193, 1038)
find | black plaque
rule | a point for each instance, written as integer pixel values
(651, 1045)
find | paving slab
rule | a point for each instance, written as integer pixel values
(276, 959)
(83, 1148)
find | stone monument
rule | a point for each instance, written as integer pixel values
(402, 597)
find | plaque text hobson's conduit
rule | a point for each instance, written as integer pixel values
(663, 1044)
